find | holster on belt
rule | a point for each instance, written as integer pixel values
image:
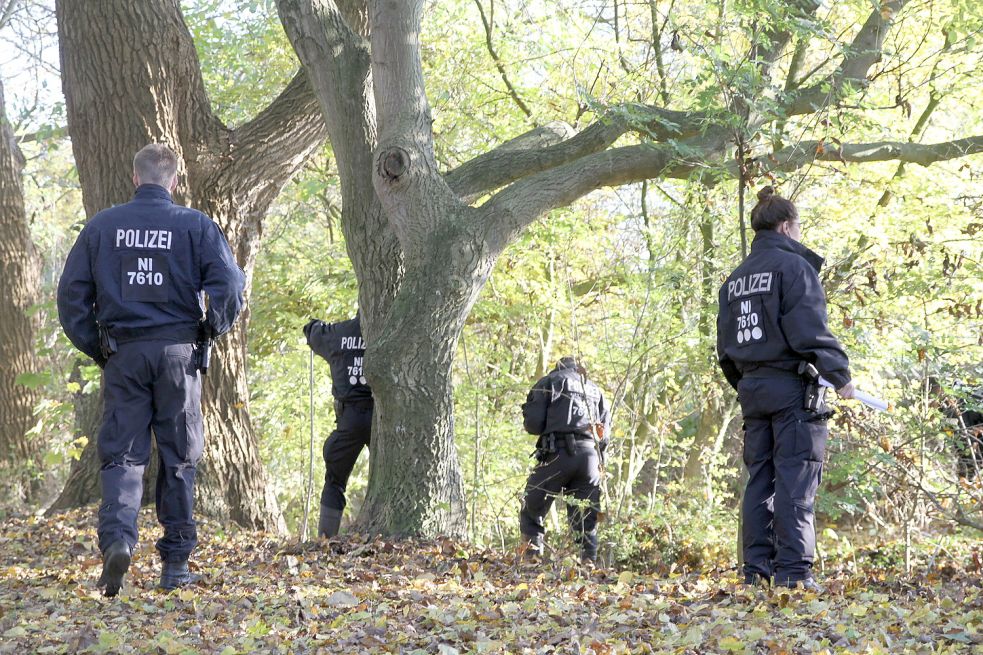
(545, 446)
(107, 342)
(205, 340)
(814, 398)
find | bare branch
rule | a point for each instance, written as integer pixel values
(7, 13)
(498, 61)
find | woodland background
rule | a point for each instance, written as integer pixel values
(625, 277)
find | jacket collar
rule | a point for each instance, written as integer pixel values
(768, 239)
(152, 192)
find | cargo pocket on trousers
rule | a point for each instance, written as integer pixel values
(810, 443)
(810, 439)
(194, 437)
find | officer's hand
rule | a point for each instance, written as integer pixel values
(310, 326)
(846, 391)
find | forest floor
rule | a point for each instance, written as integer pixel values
(261, 595)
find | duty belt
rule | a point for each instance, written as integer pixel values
(770, 371)
(180, 333)
(549, 441)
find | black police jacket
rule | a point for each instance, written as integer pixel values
(139, 269)
(773, 313)
(563, 401)
(341, 344)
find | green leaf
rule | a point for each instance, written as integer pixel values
(34, 380)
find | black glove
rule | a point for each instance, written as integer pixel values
(309, 327)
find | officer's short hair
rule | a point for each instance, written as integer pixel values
(772, 210)
(155, 164)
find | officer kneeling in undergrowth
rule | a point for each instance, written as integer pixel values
(566, 410)
(341, 344)
(772, 338)
(131, 299)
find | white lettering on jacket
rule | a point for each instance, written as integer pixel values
(143, 239)
(352, 343)
(748, 285)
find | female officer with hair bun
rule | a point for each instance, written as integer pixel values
(771, 325)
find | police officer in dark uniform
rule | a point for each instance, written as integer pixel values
(569, 414)
(341, 344)
(772, 325)
(131, 298)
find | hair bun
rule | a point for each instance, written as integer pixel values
(765, 193)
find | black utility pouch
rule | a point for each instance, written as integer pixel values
(107, 343)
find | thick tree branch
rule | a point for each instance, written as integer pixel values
(513, 208)
(397, 69)
(416, 199)
(516, 206)
(276, 142)
(797, 156)
(860, 56)
(336, 59)
(776, 36)
(506, 163)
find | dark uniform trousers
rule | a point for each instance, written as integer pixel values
(783, 450)
(151, 385)
(342, 447)
(577, 473)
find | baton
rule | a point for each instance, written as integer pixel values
(865, 398)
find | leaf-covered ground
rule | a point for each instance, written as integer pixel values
(259, 595)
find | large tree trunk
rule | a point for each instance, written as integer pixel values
(131, 76)
(416, 485)
(19, 272)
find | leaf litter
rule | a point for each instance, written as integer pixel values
(359, 595)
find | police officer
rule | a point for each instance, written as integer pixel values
(130, 298)
(341, 344)
(771, 325)
(566, 410)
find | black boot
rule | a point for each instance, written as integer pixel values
(588, 548)
(115, 562)
(809, 584)
(329, 522)
(757, 580)
(176, 574)
(532, 546)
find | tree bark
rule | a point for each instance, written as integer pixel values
(131, 76)
(20, 466)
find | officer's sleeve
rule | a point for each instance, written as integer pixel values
(727, 365)
(803, 322)
(318, 335)
(534, 409)
(77, 300)
(221, 278)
